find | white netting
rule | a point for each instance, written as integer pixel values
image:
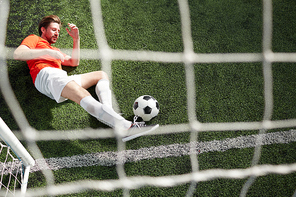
(11, 171)
(188, 58)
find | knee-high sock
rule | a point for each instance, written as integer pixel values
(104, 113)
(103, 92)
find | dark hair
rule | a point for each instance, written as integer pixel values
(47, 20)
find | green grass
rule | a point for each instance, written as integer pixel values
(224, 92)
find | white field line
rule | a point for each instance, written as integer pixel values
(173, 150)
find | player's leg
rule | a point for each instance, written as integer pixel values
(102, 112)
(101, 81)
(92, 78)
(74, 92)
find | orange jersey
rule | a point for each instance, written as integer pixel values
(35, 65)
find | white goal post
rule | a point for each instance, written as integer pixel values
(9, 167)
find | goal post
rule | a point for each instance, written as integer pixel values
(22, 154)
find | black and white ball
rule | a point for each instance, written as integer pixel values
(146, 107)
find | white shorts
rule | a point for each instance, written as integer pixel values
(51, 82)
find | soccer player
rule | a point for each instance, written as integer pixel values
(45, 64)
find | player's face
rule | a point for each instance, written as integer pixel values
(51, 33)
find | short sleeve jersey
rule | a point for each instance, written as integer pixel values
(37, 64)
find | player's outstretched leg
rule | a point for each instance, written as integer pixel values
(104, 113)
(107, 115)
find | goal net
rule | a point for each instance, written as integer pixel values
(188, 57)
(15, 163)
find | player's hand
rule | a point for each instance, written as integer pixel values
(56, 54)
(74, 31)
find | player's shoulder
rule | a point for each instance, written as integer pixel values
(32, 41)
(33, 36)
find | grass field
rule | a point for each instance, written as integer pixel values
(226, 92)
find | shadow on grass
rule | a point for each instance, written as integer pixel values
(31, 101)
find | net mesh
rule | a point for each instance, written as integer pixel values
(188, 57)
(11, 171)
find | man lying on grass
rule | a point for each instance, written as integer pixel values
(45, 64)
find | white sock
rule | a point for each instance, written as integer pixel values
(103, 92)
(104, 113)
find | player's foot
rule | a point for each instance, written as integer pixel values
(138, 129)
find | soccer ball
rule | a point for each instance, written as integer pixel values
(146, 107)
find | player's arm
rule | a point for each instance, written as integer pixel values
(73, 60)
(24, 53)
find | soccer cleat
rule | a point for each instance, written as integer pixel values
(138, 129)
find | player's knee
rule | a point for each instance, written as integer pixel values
(103, 75)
